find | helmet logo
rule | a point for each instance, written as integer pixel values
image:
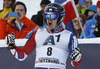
(50, 9)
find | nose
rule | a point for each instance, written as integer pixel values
(49, 19)
(77, 22)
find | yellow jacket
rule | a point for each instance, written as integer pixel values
(80, 10)
(4, 12)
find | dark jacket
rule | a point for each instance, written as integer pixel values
(38, 19)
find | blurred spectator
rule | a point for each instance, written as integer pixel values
(92, 27)
(90, 17)
(77, 24)
(88, 3)
(76, 2)
(20, 26)
(91, 10)
(81, 9)
(7, 7)
(38, 19)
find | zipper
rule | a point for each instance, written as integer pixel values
(19, 34)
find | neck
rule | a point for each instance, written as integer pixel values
(7, 9)
(57, 29)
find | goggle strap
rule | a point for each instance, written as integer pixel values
(62, 14)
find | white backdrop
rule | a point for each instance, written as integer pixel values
(33, 6)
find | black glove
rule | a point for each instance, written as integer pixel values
(97, 31)
(98, 18)
(97, 27)
(76, 55)
(10, 41)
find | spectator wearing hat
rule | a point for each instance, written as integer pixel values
(90, 11)
(92, 27)
(7, 7)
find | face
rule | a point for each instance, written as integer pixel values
(7, 3)
(88, 3)
(51, 19)
(76, 24)
(43, 7)
(51, 23)
(20, 8)
(90, 13)
(98, 10)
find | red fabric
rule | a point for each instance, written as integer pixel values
(28, 48)
(70, 13)
(75, 64)
(98, 3)
(84, 27)
(6, 29)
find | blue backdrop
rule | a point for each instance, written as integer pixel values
(90, 59)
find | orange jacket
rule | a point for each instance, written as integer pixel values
(8, 28)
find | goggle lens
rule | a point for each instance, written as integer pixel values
(51, 15)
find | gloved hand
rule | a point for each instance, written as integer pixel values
(97, 30)
(76, 55)
(10, 41)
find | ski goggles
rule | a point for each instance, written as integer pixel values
(51, 15)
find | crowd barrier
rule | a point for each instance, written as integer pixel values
(90, 49)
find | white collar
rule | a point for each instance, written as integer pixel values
(19, 27)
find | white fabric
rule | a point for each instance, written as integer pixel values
(19, 27)
(59, 51)
(14, 52)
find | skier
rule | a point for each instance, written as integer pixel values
(53, 44)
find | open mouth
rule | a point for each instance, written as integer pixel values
(50, 23)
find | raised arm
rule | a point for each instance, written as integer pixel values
(21, 53)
